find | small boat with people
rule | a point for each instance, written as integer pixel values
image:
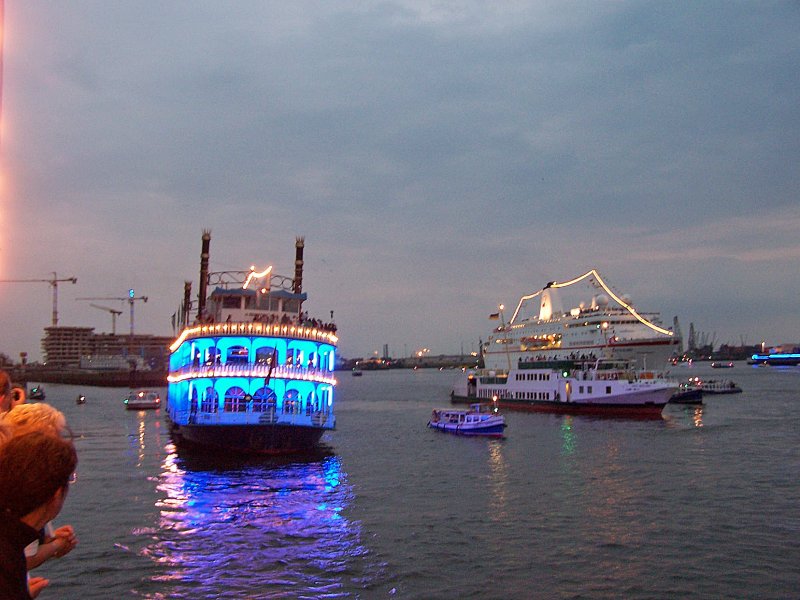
(603, 387)
(719, 386)
(688, 392)
(36, 393)
(477, 420)
(142, 400)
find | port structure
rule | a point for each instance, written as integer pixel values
(53, 281)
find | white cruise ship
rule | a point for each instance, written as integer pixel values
(602, 325)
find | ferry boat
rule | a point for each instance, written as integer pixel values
(142, 400)
(602, 325)
(478, 420)
(253, 373)
(720, 386)
(776, 359)
(603, 388)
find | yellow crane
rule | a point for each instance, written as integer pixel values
(53, 281)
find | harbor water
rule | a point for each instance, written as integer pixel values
(704, 503)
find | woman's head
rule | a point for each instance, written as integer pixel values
(41, 416)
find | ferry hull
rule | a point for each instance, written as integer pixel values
(596, 409)
(247, 439)
(484, 431)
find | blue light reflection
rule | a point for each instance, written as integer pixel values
(257, 529)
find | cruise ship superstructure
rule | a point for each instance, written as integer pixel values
(604, 325)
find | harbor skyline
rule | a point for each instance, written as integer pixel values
(438, 159)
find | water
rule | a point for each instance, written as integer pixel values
(702, 504)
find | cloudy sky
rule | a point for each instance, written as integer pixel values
(439, 158)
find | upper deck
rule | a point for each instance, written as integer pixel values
(284, 330)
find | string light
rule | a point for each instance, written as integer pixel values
(254, 275)
(622, 303)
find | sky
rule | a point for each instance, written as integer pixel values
(440, 158)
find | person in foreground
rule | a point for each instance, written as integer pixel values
(35, 473)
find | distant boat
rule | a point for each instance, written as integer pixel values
(721, 365)
(688, 392)
(81, 399)
(776, 359)
(478, 420)
(547, 325)
(142, 400)
(720, 386)
(357, 372)
(36, 393)
(599, 388)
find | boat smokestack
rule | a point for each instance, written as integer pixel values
(187, 303)
(201, 299)
(298, 265)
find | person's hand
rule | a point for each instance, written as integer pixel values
(65, 538)
(36, 585)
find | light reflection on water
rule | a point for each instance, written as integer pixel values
(255, 528)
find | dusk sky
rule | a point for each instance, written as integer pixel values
(440, 158)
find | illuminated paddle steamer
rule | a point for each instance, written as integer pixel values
(251, 374)
(606, 327)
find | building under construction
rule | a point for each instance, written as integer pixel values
(81, 347)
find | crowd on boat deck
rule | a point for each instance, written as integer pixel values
(272, 319)
(37, 467)
(571, 356)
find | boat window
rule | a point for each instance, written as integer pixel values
(291, 402)
(213, 356)
(231, 302)
(264, 399)
(237, 355)
(264, 356)
(209, 402)
(235, 400)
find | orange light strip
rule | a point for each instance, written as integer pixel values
(258, 373)
(260, 329)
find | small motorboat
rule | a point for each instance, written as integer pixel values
(688, 392)
(357, 372)
(477, 420)
(81, 399)
(721, 365)
(36, 393)
(142, 399)
(720, 386)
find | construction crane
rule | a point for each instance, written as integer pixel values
(53, 281)
(114, 314)
(132, 297)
